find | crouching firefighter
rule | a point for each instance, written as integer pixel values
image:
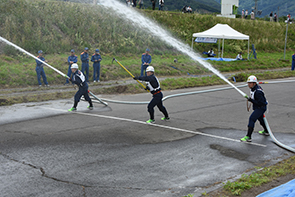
(153, 85)
(259, 102)
(78, 78)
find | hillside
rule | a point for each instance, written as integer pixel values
(57, 26)
(286, 6)
(197, 5)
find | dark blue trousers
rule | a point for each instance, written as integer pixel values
(96, 72)
(157, 100)
(69, 73)
(40, 72)
(83, 91)
(257, 114)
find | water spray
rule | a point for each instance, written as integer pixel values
(56, 70)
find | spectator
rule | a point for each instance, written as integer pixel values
(71, 59)
(239, 56)
(85, 63)
(289, 18)
(271, 17)
(211, 53)
(146, 59)
(293, 62)
(189, 9)
(275, 17)
(140, 4)
(252, 15)
(243, 14)
(246, 14)
(96, 58)
(153, 4)
(40, 70)
(134, 3)
(161, 4)
(184, 9)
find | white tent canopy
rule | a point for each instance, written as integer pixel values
(222, 31)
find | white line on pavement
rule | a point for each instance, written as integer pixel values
(157, 125)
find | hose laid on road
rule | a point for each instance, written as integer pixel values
(275, 139)
(168, 97)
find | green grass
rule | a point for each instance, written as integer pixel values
(261, 177)
(19, 71)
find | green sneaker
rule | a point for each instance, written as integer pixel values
(72, 109)
(166, 119)
(246, 139)
(150, 121)
(263, 133)
(90, 107)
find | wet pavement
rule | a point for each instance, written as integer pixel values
(47, 151)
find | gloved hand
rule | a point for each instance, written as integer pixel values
(135, 78)
(246, 96)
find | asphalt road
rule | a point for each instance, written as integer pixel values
(47, 151)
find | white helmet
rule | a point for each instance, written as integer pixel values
(75, 66)
(252, 78)
(150, 69)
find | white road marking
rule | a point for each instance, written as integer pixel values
(157, 125)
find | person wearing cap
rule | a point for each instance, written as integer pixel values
(71, 60)
(153, 85)
(146, 59)
(40, 70)
(85, 63)
(257, 98)
(96, 58)
(79, 79)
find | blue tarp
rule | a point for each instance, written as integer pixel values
(219, 59)
(286, 190)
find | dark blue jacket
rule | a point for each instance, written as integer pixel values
(293, 59)
(84, 57)
(96, 57)
(146, 58)
(258, 99)
(78, 78)
(72, 59)
(39, 64)
(153, 83)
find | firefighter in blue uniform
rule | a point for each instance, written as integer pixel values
(71, 60)
(78, 78)
(259, 102)
(85, 63)
(146, 59)
(40, 70)
(153, 85)
(293, 62)
(96, 58)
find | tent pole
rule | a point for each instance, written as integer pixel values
(248, 48)
(219, 48)
(222, 47)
